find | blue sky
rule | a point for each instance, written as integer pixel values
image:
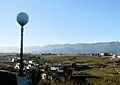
(60, 21)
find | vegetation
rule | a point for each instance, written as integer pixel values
(90, 68)
(102, 74)
(109, 81)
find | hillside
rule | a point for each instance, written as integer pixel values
(113, 47)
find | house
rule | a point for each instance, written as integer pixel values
(30, 61)
(115, 56)
(58, 68)
(44, 76)
(118, 56)
(27, 67)
(54, 68)
(25, 61)
(17, 66)
(102, 54)
(13, 60)
(59, 54)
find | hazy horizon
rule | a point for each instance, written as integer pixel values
(60, 22)
(64, 43)
(110, 47)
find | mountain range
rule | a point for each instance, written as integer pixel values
(111, 47)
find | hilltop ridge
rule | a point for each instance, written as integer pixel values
(112, 47)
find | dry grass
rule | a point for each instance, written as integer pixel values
(66, 83)
(47, 82)
(109, 81)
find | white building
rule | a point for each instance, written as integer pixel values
(17, 66)
(102, 54)
(30, 61)
(118, 56)
(25, 61)
(44, 76)
(57, 68)
(54, 68)
(13, 59)
(27, 67)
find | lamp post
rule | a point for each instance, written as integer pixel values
(22, 19)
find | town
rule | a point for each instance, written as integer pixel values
(83, 68)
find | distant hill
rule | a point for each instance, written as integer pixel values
(112, 47)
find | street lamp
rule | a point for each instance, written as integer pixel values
(22, 19)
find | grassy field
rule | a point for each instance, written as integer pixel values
(95, 72)
(98, 72)
(86, 59)
(94, 80)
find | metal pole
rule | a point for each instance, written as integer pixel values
(21, 53)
